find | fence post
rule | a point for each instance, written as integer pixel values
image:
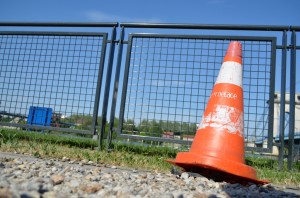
(282, 101)
(107, 86)
(125, 83)
(115, 90)
(292, 101)
(98, 89)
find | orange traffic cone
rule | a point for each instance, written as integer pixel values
(218, 148)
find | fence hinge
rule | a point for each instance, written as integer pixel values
(291, 47)
(286, 47)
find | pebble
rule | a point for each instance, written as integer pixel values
(51, 178)
(57, 179)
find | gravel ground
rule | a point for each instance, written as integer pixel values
(26, 176)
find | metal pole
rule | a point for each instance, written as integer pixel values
(292, 101)
(282, 101)
(125, 83)
(107, 86)
(271, 99)
(115, 91)
(205, 26)
(59, 24)
(98, 88)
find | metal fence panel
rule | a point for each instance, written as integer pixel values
(57, 70)
(168, 80)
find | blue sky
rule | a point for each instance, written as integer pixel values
(257, 12)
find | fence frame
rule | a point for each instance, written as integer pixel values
(192, 27)
(120, 28)
(99, 85)
(244, 38)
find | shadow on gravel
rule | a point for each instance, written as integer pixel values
(219, 182)
(253, 190)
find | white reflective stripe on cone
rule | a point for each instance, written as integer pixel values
(230, 72)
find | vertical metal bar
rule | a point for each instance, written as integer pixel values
(292, 101)
(107, 86)
(98, 88)
(116, 86)
(282, 101)
(125, 83)
(271, 96)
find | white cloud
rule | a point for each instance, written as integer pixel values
(104, 17)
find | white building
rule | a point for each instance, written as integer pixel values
(276, 131)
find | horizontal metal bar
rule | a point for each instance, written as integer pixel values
(296, 28)
(276, 144)
(27, 126)
(52, 33)
(287, 47)
(158, 139)
(60, 24)
(113, 41)
(205, 26)
(209, 37)
(280, 46)
(183, 142)
(258, 149)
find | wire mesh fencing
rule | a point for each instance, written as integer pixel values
(169, 79)
(52, 75)
(54, 81)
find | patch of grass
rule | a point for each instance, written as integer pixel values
(126, 155)
(9, 138)
(284, 177)
(267, 168)
(44, 137)
(269, 163)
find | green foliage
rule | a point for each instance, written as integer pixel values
(268, 163)
(284, 177)
(144, 150)
(9, 138)
(155, 128)
(80, 121)
(31, 136)
(87, 155)
(6, 119)
(129, 125)
(260, 162)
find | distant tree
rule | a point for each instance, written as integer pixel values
(192, 129)
(116, 123)
(81, 121)
(144, 126)
(151, 127)
(185, 127)
(155, 128)
(129, 125)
